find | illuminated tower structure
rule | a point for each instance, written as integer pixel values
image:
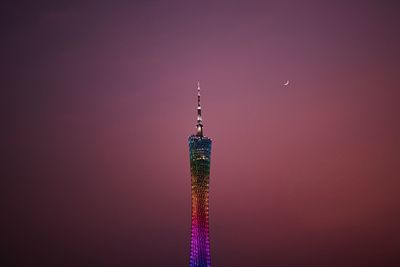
(200, 152)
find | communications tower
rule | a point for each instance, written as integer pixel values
(200, 156)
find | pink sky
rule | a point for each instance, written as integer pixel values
(99, 100)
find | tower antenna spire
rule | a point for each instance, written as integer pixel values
(199, 119)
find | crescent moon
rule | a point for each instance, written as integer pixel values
(286, 83)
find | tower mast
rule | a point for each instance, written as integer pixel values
(199, 119)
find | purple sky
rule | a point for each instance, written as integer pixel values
(98, 99)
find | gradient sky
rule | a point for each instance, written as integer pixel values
(98, 99)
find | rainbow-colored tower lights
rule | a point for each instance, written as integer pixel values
(200, 156)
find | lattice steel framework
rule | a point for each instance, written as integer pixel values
(200, 156)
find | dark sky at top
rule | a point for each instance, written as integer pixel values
(98, 98)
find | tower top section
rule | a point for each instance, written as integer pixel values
(199, 124)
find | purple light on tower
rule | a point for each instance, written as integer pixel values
(200, 156)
